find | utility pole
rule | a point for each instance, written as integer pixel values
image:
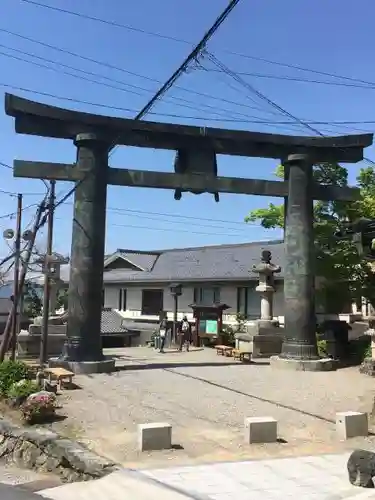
(47, 272)
(16, 288)
(7, 330)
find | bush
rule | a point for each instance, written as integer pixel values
(322, 348)
(153, 338)
(227, 335)
(11, 372)
(360, 348)
(20, 391)
(39, 407)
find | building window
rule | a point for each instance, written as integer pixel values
(152, 302)
(248, 302)
(122, 299)
(207, 295)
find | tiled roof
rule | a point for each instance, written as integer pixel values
(111, 322)
(223, 262)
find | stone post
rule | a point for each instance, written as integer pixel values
(83, 350)
(300, 346)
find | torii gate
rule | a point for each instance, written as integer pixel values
(94, 135)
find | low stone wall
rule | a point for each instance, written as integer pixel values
(45, 451)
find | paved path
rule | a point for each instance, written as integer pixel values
(13, 493)
(309, 478)
(20, 484)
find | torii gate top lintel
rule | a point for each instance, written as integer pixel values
(34, 118)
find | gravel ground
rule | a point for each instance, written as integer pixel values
(206, 397)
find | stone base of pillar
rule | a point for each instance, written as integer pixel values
(264, 338)
(368, 367)
(84, 367)
(302, 365)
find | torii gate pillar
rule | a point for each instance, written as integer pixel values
(83, 348)
(299, 272)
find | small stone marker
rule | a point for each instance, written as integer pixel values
(351, 424)
(260, 430)
(156, 436)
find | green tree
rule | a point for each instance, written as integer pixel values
(337, 261)
(32, 299)
(62, 299)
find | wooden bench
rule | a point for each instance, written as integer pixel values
(242, 355)
(59, 374)
(32, 366)
(224, 350)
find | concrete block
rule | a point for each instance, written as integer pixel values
(351, 424)
(156, 436)
(260, 430)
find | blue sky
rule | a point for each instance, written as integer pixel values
(334, 37)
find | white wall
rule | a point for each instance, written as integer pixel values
(228, 295)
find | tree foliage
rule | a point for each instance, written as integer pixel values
(32, 299)
(62, 299)
(337, 261)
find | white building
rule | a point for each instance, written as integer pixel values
(138, 283)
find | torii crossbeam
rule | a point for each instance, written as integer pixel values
(94, 135)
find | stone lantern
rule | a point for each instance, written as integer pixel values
(55, 261)
(264, 337)
(266, 286)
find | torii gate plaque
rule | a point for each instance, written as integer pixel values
(93, 135)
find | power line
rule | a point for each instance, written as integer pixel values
(175, 115)
(181, 40)
(288, 125)
(164, 88)
(262, 96)
(117, 108)
(182, 219)
(259, 94)
(114, 24)
(173, 230)
(201, 45)
(181, 101)
(369, 86)
(12, 214)
(194, 54)
(118, 68)
(5, 165)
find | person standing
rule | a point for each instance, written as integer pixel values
(163, 325)
(185, 334)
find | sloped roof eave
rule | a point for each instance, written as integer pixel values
(182, 280)
(117, 255)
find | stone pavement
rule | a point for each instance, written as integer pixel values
(13, 493)
(19, 484)
(311, 478)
